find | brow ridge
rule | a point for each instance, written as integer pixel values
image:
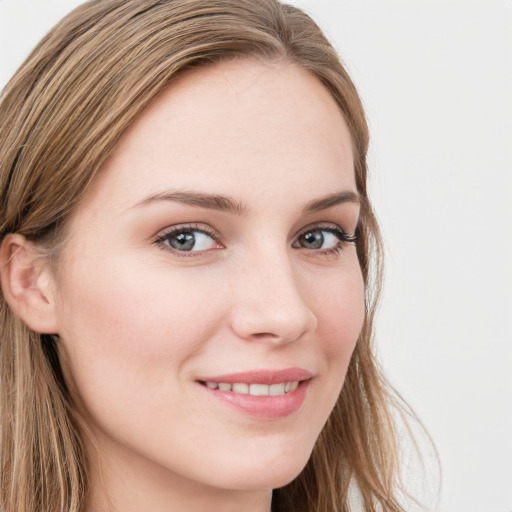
(199, 199)
(346, 196)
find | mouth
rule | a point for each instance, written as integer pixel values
(262, 394)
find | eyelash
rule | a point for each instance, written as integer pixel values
(343, 237)
(186, 228)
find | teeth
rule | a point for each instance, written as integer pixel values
(255, 389)
(276, 389)
(258, 389)
(241, 388)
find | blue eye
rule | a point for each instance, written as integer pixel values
(323, 239)
(188, 239)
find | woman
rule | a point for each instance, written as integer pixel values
(189, 268)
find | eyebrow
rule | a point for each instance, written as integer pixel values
(317, 205)
(208, 201)
(224, 203)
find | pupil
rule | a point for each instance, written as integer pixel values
(313, 239)
(183, 241)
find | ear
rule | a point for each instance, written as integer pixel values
(27, 284)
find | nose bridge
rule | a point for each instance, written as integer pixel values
(270, 304)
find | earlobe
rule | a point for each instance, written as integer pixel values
(27, 284)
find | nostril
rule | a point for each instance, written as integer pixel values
(264, 335)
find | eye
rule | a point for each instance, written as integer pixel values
(189, 239)
(324, 239)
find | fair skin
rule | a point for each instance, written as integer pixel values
(265, 284)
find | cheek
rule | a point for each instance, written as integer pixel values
(341, 315)
(127, 325)
(340, 319)
(128, 301)
(340, 311)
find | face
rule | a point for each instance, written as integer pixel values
(209, 296)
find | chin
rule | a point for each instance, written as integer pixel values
(268, 474)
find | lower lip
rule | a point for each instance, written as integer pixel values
(263, 407)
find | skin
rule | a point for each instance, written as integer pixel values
(140, 322)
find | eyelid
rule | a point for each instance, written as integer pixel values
(327, 226)
(159, 238)
(344, 237)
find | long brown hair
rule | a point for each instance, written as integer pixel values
(61, 115)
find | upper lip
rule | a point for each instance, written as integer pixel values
(261, 376)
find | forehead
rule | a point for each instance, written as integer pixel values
(230, 124)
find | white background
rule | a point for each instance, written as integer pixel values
(436, 80)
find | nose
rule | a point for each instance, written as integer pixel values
(269, 302)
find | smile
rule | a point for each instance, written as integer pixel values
(261, 394)
(255, 389)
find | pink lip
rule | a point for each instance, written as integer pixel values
(262, 376)
(262, 407)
